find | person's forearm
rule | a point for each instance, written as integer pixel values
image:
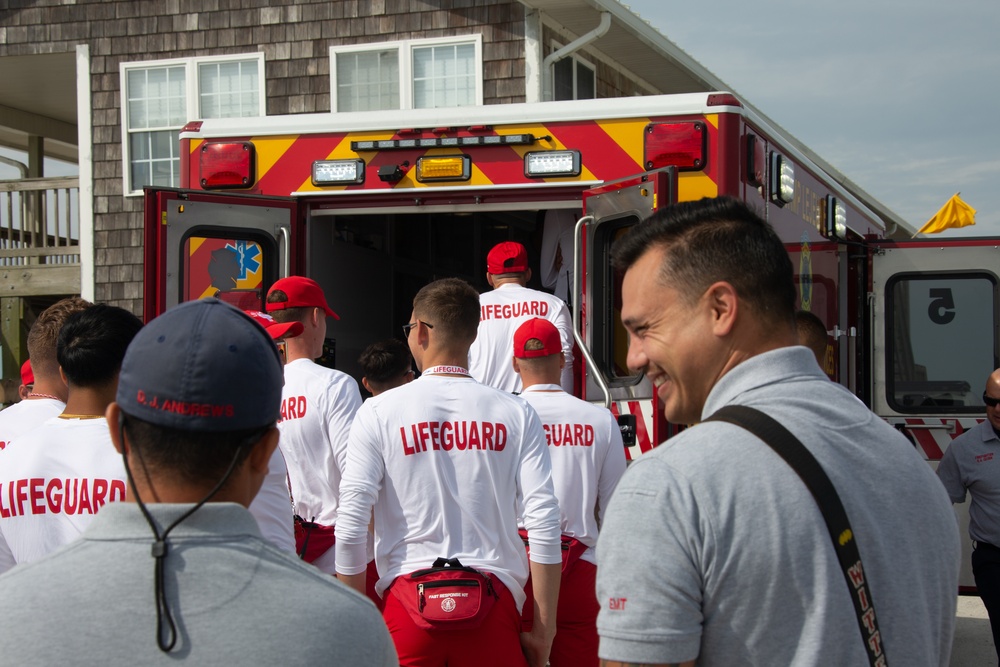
(355, 581)
(545, 586)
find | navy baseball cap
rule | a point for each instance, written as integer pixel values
(202, 366)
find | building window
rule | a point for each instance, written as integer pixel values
(573, 78)
(160, 97)
(410, 74)
(367, 80)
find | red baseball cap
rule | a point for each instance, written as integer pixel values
(275, 329)
(27, 375)
(302, 292)
(541, 329)
(507, 257)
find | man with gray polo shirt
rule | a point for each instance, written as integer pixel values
(713, 549)
(179, 572)
(972, 464)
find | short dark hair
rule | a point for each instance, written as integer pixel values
(451, 305)
(716, 239)
(92, 344)
(297, 314)
(43, 336)
(812, 333)
(191, 457)
(385, 360)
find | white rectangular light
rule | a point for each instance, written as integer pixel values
(552, 163)
(782, 180)
(338, 172)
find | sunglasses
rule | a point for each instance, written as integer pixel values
(990, 401)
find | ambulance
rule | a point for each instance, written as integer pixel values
(375, 205)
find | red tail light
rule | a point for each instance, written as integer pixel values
(227, 165)
(680, 145)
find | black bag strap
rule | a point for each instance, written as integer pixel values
(808, 468)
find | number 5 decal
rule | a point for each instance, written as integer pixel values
(942, 308)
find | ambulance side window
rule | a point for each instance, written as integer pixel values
(610, 344)
(229, 268)
(941, 341)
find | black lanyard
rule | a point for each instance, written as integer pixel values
(844, 540)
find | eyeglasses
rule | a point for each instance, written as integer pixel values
(407, 327)
(990, 401)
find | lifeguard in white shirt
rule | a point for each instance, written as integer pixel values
(506, 307)
(588, 458)
(56, 477)
(317, 407)
(47, 395)
(445, 461)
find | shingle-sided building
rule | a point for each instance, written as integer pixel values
(107, 84)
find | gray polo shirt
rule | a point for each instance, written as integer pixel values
(972, 463)
(236, 599)
(712, 547)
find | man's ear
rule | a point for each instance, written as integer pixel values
(115, 418)
(364, 383)
(489, 279)
(517, 366)
(527, 275)
(724, 306)
(262, 450)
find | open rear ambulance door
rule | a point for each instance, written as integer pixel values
(610, 210)
(230, 246)
(935, 315)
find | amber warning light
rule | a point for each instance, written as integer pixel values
(227, 165)
(680, 145)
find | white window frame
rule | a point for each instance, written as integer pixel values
(405, 48)
(576, 59)
(192, 99)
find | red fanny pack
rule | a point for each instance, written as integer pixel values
(312, 540)
(572, 549)
(446, 596)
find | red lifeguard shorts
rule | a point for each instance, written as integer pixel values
(495, 643)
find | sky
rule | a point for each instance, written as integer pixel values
(899, 95)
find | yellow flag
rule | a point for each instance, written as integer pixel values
(955, 213)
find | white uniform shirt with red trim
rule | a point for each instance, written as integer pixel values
(501, 312)
(445, 461)
(53, 481)
(27, 415)
(317, 407)
(588, 458)
(272, 506)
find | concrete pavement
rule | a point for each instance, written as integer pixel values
(973, 646)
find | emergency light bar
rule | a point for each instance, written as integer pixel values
(226, 165)
(680, 145)
(552, 163)
(782, 180)
(444, 168)
(338, 172)
(446, 142)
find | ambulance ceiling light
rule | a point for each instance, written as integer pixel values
(226, 165)
(447, 142)
(338, 172)
(552, 163)
(782, 178)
